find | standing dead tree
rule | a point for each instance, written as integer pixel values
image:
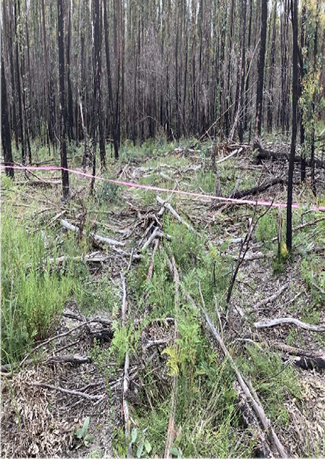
(63, 144)
(5, 127)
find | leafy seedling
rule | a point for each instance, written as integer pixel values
(82, 435)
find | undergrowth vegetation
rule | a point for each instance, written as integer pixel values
(33, 293)
(36, 286)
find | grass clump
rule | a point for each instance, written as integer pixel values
(33, 293)
(272, 381)
(267, 227)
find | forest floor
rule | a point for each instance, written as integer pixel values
(113, 337)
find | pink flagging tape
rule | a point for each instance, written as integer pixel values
(280, 205)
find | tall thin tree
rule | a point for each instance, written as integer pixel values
(63, 144)
(5, 127)
(261, 65)
(294, 11)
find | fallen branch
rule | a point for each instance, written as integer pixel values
(126, 412)
(253, 398)
(235, 152)
(94, 236)
(244, 248)
(99, 239)
(290, 320)
(174, 213)
(68, 391)
(317, 287)
(150, 270)
(62, 335)
(171, 424)
(44, 343)
(271, 298)
(262, 448)
(77, 359)
(95, 257)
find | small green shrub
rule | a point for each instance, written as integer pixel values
(185, 245)
(107, 192)
(267, 227)
(313, 273)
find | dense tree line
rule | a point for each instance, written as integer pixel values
(99, 71)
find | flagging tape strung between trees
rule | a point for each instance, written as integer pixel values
(263, 203)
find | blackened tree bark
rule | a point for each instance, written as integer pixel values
(63, 144)
(261, 64)
(312, 146)
(97, 127)
(70, 98)
(230, 41)
(284, 112)
(248, 63)
(243, 72)
(20, 104)
(109, 79)
(5, 127)
(294, 11)
(302, 74)
(270, 107)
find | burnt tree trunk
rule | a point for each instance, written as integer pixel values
(261, 64)
(63, 145)
(294, 10)
(302, 74)
(5, 126)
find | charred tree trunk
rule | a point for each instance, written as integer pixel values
(261, 64)
(243, 73)
(312, 146)
(302, 74)
(294, 10)
(18, 73)
(271, 79)
(63, 145)
(70, 98)
(5, 126)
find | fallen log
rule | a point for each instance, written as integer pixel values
(262, 448)
(76, 359)
(307, 360)
(264, 154)
(258, 189)
(41, 184)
